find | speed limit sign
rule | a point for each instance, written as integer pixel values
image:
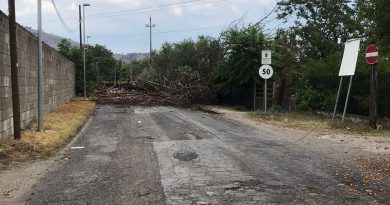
(266, 72)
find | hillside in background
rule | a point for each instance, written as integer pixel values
(51, 39)
(129, 57)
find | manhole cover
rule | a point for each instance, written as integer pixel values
(185, 156)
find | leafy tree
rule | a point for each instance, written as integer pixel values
(64, 47)
(285, 57)
(139, 67)
(104, 59)
(201, 56)
(241, 51)
(374, 15)
(320, 24)
(99, 65)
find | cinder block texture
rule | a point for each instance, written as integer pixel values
(59, 74)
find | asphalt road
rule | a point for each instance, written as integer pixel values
(167, 155)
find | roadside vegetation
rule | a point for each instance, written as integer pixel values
(305, 57)
(316, 122)
(321, 122)
(61, 124)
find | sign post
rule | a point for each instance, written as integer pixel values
(265, 72)
(347, 68)
(372, 55)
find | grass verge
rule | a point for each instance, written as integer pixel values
(321, 122)
(61, 125)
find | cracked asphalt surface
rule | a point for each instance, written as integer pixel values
(163, 155)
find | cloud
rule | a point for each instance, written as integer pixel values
(30, 7)
(47, 7)
(235, 9)
(123, 3)
(73, 7)
(177, 11)
(129, 16)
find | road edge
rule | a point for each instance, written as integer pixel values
(23, 177)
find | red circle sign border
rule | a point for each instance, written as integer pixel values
(371, 59)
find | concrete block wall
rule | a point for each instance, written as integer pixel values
(59, 77)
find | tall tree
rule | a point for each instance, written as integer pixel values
(100, 64)
(320, 24)
(201, 56)
(374, 15)
(241, 51)
(286, 55)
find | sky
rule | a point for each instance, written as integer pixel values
(120, 25)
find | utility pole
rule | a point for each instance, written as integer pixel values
(120, 70)
(85, 78)
(150, 25)
(80, 31)
(131, 69)
(40, 71)
(14, 69)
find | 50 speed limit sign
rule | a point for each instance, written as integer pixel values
(266, 72)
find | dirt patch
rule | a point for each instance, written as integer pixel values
(318, 126)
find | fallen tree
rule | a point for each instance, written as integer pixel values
(148, 93)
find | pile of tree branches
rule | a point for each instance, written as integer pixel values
(148, 93)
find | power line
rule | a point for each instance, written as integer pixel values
(163, 32)
(150, 9)
(137, 11)
(144, 10)
(61, 19)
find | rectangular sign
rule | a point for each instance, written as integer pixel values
(351, 52)
(266, 57)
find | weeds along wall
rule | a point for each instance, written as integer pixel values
(59, 77)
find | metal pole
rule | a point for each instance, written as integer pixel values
(346, 100)
(85, 79)
(131, 69)
(337, 98)
(120, 70)
(150, 50)
(265, 95)
(40, 71)
(373, 109)
(254, 95)
(14, 70)
(81, 39)
(150, 32)
(115, 74)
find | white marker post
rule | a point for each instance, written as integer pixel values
(266, 72)
(348, 67)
